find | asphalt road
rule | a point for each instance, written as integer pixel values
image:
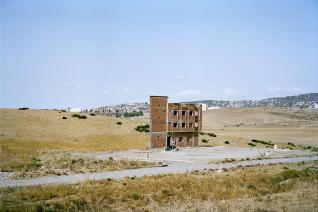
(173, 167)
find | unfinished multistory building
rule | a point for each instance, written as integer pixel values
(174, 123)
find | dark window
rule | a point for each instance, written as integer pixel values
(175, 112)
(190, 125)
(180, 139)
(175, 125)
(158, 136)
(191, 113)
(183, 112)
(183, 125)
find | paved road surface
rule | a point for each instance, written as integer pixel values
(176, 168)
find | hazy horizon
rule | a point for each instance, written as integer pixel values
(56, 54)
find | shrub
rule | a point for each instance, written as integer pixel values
(92, 114)
(262, 142)
(79, 116)
(23, 108)
(142, 128)
(202, 133)
(64, 117)
(119, 123)
(132, 114)
(228, 160)
(291, 144)
(205, 140)
(211, 135)
(251, 144)
(226, 142)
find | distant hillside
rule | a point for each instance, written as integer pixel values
(303, 101)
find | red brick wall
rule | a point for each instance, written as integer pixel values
(158, 121)
(158, 140)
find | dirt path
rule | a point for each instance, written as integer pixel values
(175, 168)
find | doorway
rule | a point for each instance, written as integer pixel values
(168, 141)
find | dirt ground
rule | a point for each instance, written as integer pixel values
(199, 155)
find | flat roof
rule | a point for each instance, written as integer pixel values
(159, 96)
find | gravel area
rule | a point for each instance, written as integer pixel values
(6, 175)
(198, 155)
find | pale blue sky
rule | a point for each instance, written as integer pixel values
(91, 53)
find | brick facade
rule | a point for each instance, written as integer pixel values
(176, 122)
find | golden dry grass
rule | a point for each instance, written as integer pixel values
(29, 133)
(279, 125)
(61, 163)
(173, 192)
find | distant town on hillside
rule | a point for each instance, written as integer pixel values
(309, 100)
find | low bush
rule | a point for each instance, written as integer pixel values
(211, 135)
(64, 117)
(205, 140)
(79, 116)
(119, 123)
(291, 144)
(251, 144)
(226, 142)
(262, 142)
(228, 160)
(23, 108)
(92, 114)
(132, 114)
(142, 128)
(314, 149)
(202, 133)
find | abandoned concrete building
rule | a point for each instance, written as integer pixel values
(174, 123)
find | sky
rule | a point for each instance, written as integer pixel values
(58, 54)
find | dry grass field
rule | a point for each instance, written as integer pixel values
(31, 139)
(289, 187)
(27, 134)
(278, 125)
